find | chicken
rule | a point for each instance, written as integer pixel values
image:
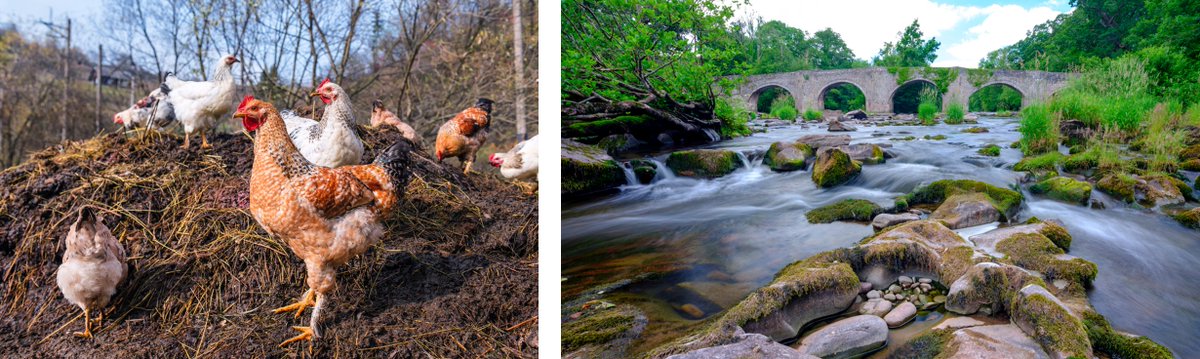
(326, 215)
(519, 163)
(330, 142)
(199, 104)
(381, 116)
(92, 267)
(153, 105)
(462, 135)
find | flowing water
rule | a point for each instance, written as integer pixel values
(709, 243)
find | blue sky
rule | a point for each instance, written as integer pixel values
(967, 29)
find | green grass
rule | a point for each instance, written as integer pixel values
(1161, 141)
(927, 112)
(1047, 161)
(1039, 130)
(733, 119)
(812, 114)
(784, 108)
(850, 209)
(955, 113)
(990, 150)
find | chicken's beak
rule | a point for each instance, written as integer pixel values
(314, 94)
(239, 115)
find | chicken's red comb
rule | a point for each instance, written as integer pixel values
(323, 83)
(245, 101)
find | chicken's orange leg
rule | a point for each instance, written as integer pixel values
(204, 141)
(186, 139)
(529, 188)
(87, 325)
(310, 332)
(305, 302)
(467, 166)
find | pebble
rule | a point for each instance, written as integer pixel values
(864, 287)
(889, 296)
(925, 280)
(692, 310)
(894, 288)
(900, 315)
(905, 280)
(939, 299)
(926, 286)
(873, 294)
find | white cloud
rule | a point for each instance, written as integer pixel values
(865, 24)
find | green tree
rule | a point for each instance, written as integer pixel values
(910, 51)
(777, 47)
(830, 52)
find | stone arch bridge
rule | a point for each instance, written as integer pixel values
(879, 84)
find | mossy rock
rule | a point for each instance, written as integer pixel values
(799, 294)
(1048, 321)
(782, 157)
(1118, 185)
(1190, 165)
(964, 210)
(1107, 341)
(935, 138)
(1005, 200)
(704, 163)
(588, 169)
(990, 150)
(1079, 163)
(850, 209)
(988, 284)
(644, 170)
(1191, 152)
(1047, 161)
(925, 248)
(834, 167)
(1064, 189)
(976, 130)
(1163, 188)
(602, 331)
(605, 127)
(1189, 218)
(1036, 252)
(877, 156)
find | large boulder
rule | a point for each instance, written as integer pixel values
(988, 285)
(1118, 185)
(620, 143)
(922, 248)
(834, 167)
(847, 338)
(850, 209)
(992, 341)
(1050, 323)
(749, 346)
(603, 333)
(1160, 190)
(884, 220)
(798, 295)
(868, 153)
(704, 163)
(966, 210)
(1036, 252)
(782, 157)
(1006, 201)
(588, 170)
(856, 115)
(1189, 218)
(818, 142)
(1054, 231)
(838, 126)
(1064, 189)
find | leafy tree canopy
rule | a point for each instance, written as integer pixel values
(910, 51)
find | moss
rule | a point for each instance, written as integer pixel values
(1064, 189)
(1053, 325)
(1078, 163)
(926, 346)
(850, 209)
(1118, 185)
(976, 130)
(1116, 345)
(1191, 152)
(955, 262)
(1048, 161)
(1005, 200)
(1057, 235)
(645, 174)
(935, 138)
(876, 155)
(797, 154)
(1190, 165)
(905, 138)
(901, 256)
(797, 280)
(990, 150)
(1036, 252)
(703, 163)
(596, 328)
(834, 167)
(1189, 218)
(990, 284)
(584, 177)
(621, 124)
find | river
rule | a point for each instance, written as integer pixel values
(709, 243)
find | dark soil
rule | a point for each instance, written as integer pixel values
(455, 273)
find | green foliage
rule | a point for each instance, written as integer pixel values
(733, 119)
(903, 74)
(909, 96)
(995, 98)
(1073, 104)
(909, 51)
(942, 77)
(784, 108)
(1116, 345)
(812, 114)
(1048, 161)
(845, 97)
(850, 209)
(768, 96)
(1162, 142)
(955, 113)
(978, 77)
(990, 150)
(1039, 130)
(927, 112)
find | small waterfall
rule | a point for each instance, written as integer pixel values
(745, 159)
(712, 135)
(663, 172)
(630, 178)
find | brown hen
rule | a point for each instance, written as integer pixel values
(463, 135)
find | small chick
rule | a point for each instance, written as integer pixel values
(92, 267)
(381, 116)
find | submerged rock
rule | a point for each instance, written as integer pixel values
(704, 163)
(966, 210)
(1064, 189)
(846, 338)
(878, 307)
(588, 169)
(745, 346)
(838, 126)
(782, 157)
(992, 341)
(834, 167)
(901, 315)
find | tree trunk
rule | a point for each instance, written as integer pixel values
(518, 66)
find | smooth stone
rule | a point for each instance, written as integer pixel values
(901, 315)
(894, 288)
(873, 294)
(877, 307)
(925, 280)
(926, 286)
(958, 323)
(884, 220)
(864, 287)
(846, 338)
(939, 299)
(747, 346)
(966, 210)
(905, 280)
(692, 310)
(992, 341)
(889, 296)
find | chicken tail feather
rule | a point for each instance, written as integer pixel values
(396, 161)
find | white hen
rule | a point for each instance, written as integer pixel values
(92, 267)
(521, 162)
(199, 104)
(153, 105)
(331, 142)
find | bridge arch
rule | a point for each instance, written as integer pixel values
(843, 84)
(910, 95)
(994, 96)
(756, 101)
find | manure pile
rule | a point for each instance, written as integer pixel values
(455, 275)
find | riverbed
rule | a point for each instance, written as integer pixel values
(709, 243)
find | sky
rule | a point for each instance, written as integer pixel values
(967, 29)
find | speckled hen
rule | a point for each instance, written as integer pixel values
(463, 135)
(92, 267)
(326, 215)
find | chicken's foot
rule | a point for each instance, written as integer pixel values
(187, 137)
(87, 325)
(467, 167)
(306, 333)
(204, 141)
(305, 302)
(527, 187)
